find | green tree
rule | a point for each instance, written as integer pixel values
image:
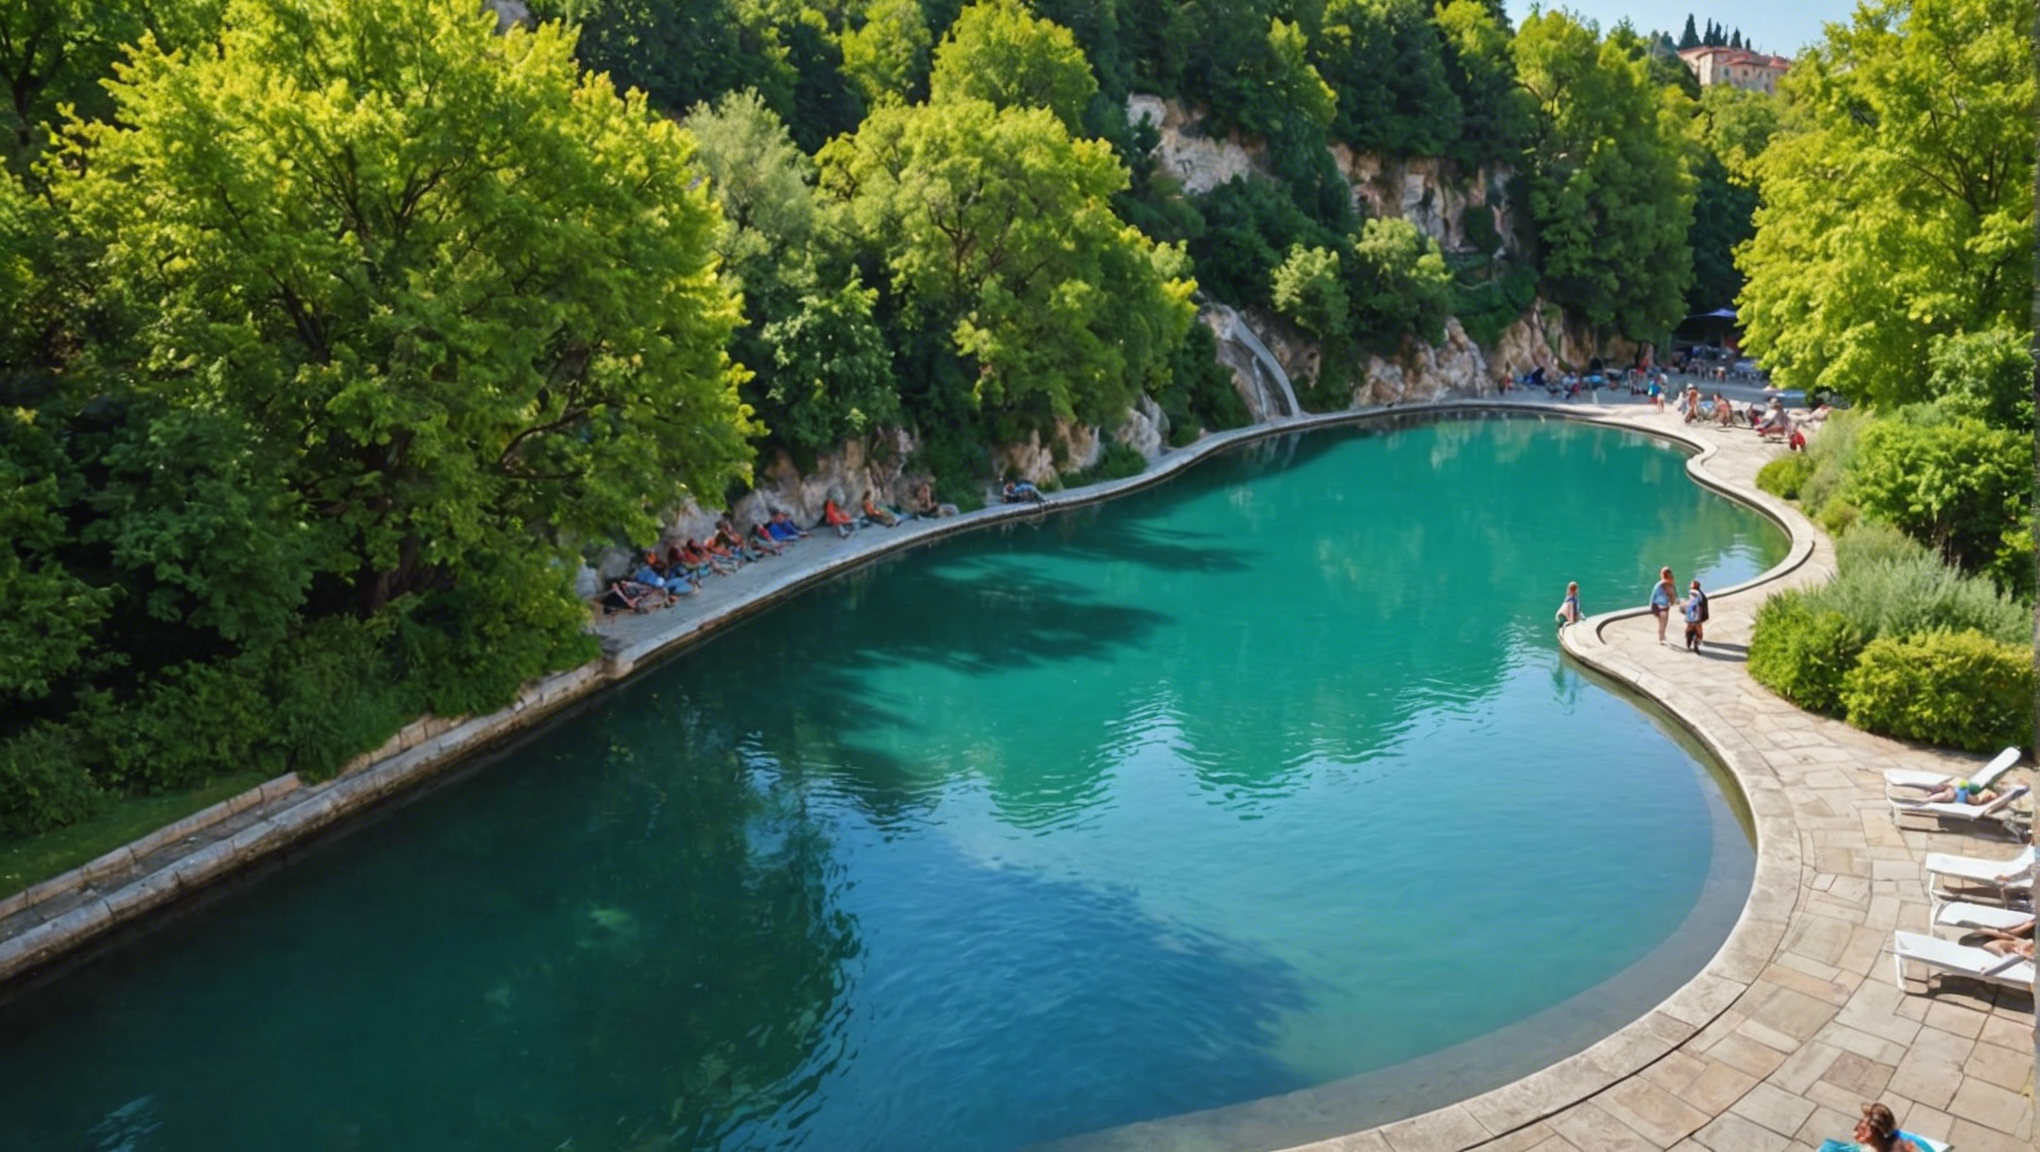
(1495, 111)
(1400, 285)
(1386, 61)
(396, 248)
(55, 53)
(887, 53)
(1609, 191)
(1897, 201)
(996, 51)
(997, 228)
(1953, 483)
(1308, 289)
(1690, 38)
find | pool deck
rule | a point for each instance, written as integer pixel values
(1774, 1045)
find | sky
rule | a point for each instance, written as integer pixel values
(1780, 26)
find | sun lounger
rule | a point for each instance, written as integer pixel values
(1930, 780)
(1949, 810)
(1962, 914)
(1978, 873)
(1957, 959)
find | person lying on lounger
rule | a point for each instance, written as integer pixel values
(1961, 792)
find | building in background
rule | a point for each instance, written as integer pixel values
(1736, 67)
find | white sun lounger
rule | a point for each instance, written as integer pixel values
(1962, 914)
(1975, 872)
(1957, 959)
(1948, 810)
(1929, 780)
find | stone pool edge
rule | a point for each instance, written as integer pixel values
(151, 872)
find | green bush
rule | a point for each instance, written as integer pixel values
(1953, 483)
(1918, 594)
(1118, 461)
(1803, 654)
(1872, 543)
(1786, 475)
(1952, 689)
(43, 785)
(1833, 452)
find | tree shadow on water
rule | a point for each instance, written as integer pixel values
(1048, 1007)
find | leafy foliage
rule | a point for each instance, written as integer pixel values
(1608, 188)
(1952, 689)
(1898, 203)
(1955, 484)
(997, 52)
(1802, 653)
(997, 227)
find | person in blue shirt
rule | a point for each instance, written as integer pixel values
(1661, 597)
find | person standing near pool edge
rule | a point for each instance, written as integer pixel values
(1569, 608)
(1661, 598)
(1696, 618)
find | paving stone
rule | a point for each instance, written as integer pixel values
(1729, 1132)
(1968, 1136)
(1988, 1105)
(1588, 1125)
(2004, 1067)
(1810, 1063)
(1774, 1108)
(1656, 1114)
(1446, 1130)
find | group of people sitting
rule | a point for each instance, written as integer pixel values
(662, 578)
(870, 511)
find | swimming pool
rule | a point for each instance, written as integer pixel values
(1267, 780)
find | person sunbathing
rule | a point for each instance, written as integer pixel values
(1015, 492)
(1961, 792)
(630, 596)
(718, 551)
(761, 537)
(926, 507)
(836, 518)
(732, 541)
(720, 565)
(877, 513)
(783, 528)
(1877, 1131)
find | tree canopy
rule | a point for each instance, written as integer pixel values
(1608, 186)
(1897, 199)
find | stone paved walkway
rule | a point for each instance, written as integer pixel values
(1797, 1022)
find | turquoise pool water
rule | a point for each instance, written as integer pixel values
(1265, 780)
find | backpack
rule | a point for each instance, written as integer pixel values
(1703, 607)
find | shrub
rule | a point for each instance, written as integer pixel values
(1833, 453)
(1953, 689)
(1918, 594)
(1953, 483)
(1784, 476)
(1871, 543)
(1118, 461)
(43, 785)
(1802, 653)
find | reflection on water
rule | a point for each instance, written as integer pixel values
(1229, 789)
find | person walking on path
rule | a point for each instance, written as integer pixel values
(1661, 599)
(1696, 618)
(1569, 608)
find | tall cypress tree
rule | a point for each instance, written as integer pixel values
(1690, 38)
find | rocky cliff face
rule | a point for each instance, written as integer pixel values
(1433, 194)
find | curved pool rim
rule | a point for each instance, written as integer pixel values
(1755, 937)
